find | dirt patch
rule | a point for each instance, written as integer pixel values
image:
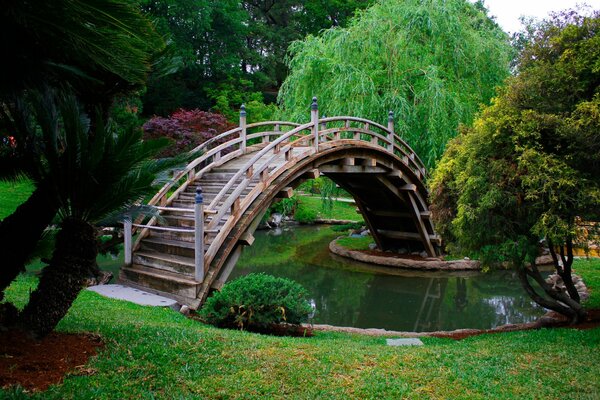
(37, 364)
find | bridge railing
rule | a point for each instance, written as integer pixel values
(276, 137)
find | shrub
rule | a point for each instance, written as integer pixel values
(187, 129)
(305, 215)
(257, 302)
(285, 206)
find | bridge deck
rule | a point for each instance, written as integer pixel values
(241, 177)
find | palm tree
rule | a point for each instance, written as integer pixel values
(97, 49)
(93, 174)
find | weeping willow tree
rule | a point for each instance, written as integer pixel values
(433, 62)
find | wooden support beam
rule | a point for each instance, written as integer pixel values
(425, 236)
(369, 162)
(399, 214)
(351, 169)
(246, 239)
(409, 187)
(348, 161)
(312, 174)
(362, 207)
(395, 174)
(406, 235)
(285, 193)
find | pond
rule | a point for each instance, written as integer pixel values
(349, 293)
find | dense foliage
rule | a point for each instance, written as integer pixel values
(257, 301)
(186, 129)
(100, 48)
(228, 52)
(529, 167)
(432, 62)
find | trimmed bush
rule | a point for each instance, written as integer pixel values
(257, 302)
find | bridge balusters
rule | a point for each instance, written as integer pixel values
(127, 228)
(199, 235)
(314, 113)
(243, 126)
(391, 132)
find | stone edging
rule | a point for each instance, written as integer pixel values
(466, 332)
(423, 265)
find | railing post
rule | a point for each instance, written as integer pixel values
(199, 235)
(127, 227)
(314, 119)
(391, 133)
(243, 126)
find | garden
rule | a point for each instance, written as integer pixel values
(103, 102)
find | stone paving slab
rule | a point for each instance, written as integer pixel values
(133, 295)
(404, 342)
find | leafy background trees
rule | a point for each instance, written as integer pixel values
(432, 62)
(231, 51)
(528, 168)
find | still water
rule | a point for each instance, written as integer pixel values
(349, 293)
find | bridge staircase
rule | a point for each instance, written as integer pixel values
(183, 252)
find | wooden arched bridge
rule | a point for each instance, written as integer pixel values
(242, 171)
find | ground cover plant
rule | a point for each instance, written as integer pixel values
(155, 352)
(339, 210)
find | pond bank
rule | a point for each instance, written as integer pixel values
(399, 261)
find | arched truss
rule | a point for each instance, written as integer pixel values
(244, 170)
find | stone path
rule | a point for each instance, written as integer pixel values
(136, 296)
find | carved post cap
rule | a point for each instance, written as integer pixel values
(314, 105)
(391, 116)
(199, 197)
(243, 110)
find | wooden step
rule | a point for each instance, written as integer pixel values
(172, 263)
(169, 246)
(159, 280)
(181, 236)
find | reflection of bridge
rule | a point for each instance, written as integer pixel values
(242, 171)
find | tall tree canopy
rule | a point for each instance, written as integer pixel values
(529, 167)
(232, 46)
(432, 62)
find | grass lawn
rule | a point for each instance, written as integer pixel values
(340, 210)
(157, 353)
(12, 194)
(355, 243)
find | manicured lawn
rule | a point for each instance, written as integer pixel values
(356, 243)
(157, 353)
(340, 210)
(12, 194)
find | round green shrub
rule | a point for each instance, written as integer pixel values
(257, 302)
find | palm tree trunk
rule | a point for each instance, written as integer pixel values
(21, 231)
(73, 260)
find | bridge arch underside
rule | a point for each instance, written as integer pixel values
(391, 197)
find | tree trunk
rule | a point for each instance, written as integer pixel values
(73, 260)
(554, 300)
(21, 231)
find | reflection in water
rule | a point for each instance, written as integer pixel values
(348, 293)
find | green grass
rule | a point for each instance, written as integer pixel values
(355, 243)
(590, 270)
(340, 210)
(157, 353)
(12, 194)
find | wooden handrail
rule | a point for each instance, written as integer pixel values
(284, 143)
